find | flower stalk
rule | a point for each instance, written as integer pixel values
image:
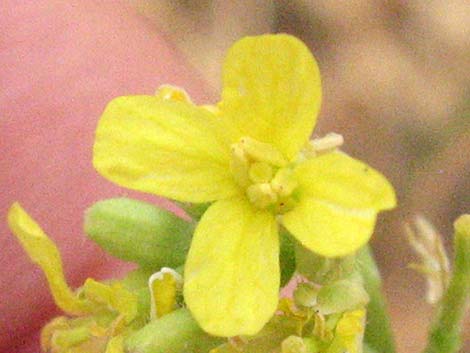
(444, 336)
(378, 334)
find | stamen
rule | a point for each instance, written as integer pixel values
(261, 172)
(67, 338)
(239, 165)
(322, 145)
(164, 286)
(261, 195)
(173, 93)
(283, 183)
(261, 151)
(211, 108)
(285, 205)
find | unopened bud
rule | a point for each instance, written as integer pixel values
(305, 295)
(341, 296)
(322, 270)
(174, 332)
(139, 232)
(293, 344)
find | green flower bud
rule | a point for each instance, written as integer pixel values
(139, 232)
(341, 296)
(322, 270)
(293, 344)
(305, 295)
(176, 332)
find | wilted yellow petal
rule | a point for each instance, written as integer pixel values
(328, 229)
(58, 323)
(232, 270)
(114, 296)
(45, 254)
(163, 286)
(272, 91)
(337, 178)
(168, 148)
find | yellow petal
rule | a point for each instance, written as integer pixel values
(58, 323)
(328, 229)
(164, 287)
(272, 91)
(232, 271)
(45, 254)
(165, 147)
(337, 178)
(350, 330)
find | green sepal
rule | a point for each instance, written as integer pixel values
(305, 295)
(322, 270)
(139, 232)
(194, 210)
(269, 339)
(137, 282)
(176, 332)
(341, 296)
(286, 256)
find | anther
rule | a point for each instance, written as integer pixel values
(173, 93)
(240, 165)
(260, 151)
(324, 144)
(261, 172)
(283, 183)
(261, 195)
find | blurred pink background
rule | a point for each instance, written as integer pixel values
(396, 85)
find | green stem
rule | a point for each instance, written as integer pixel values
(444, 335)
(378, 334)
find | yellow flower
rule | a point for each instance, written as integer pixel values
(246, 155)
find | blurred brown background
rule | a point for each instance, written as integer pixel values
(396, 80)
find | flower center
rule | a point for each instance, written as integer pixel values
(264, 174)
